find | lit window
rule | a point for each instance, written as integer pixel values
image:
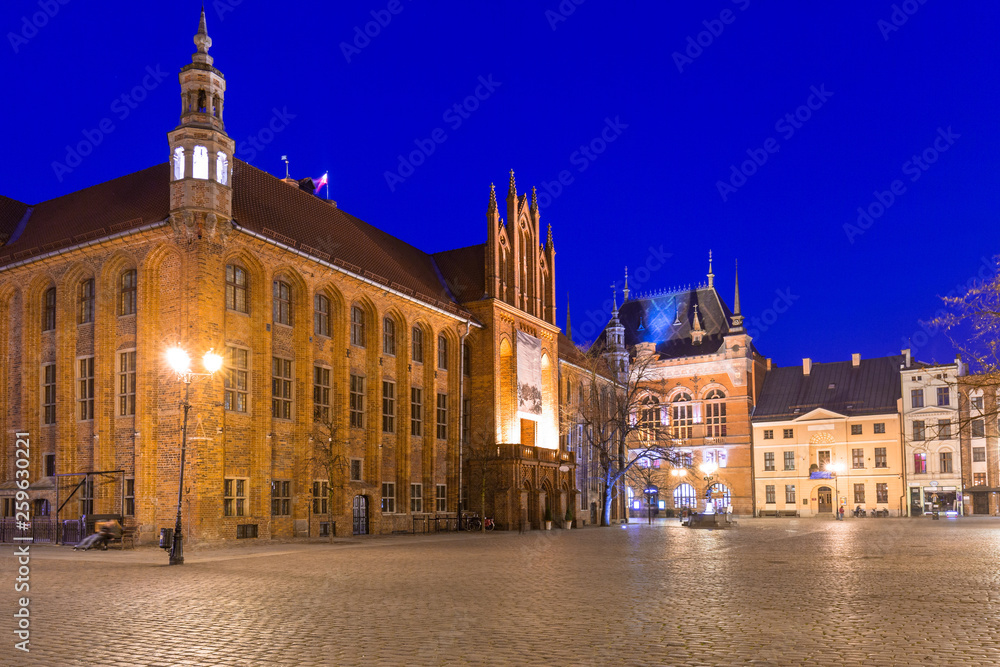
(199, 165)
(222, 168)
(919, 463)
(682, 416)
(178, 163)
(715, 414)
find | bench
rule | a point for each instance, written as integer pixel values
(779, 513)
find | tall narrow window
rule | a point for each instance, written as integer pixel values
(944, 429)
(946, 466)
(281, 388)
(357, 326)
(649, 418)
(49, 310)
(418, 345)
(234, 497)
(715, 414)
(416, 497)
(466, 359)
(178, 163)
(199, 164)
(282, 303)
(882, 492)
(388, 407)
(321, 497)
(789, 460)
(769, 494)
(789, 494)
(357, 405)
(943, 397)
(442, 353)
(441, 498)
(416, 411)
(321, 394)
(978, 428)
(321, 318)
(237, 378)
(281, 497)
(237, 285)
(466, 418)
(87, 497)
(682, 414)
(389, 337)
(85, 395)
(130, 496)
(86, 301)
(388, 497)
(918, 430)
(126, 383)
(916, 398)
(881, 459)
(768, 461)
(859, 494)
(919, 463)
(442, 416)
(858, 457)
(49, 394)
(222, 168)
(127, 292)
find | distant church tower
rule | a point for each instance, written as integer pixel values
(201, 153)
(615, 351)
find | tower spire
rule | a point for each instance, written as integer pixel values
(737, 315)
(548, 240)
(534, 199)
(614, 300)
(512, 187)
(625, 289)
(569, 323)
(711, 276)
(493, 199)
(203, 42)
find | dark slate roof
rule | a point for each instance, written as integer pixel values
(101, 210)
(871, 388)
(11, 213)
(652, 320)
(568, 351)
(463, 272)
(261, 203)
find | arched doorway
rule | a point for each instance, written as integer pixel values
(360, 513)
(824, 496)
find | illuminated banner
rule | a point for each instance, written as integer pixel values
(529, 375)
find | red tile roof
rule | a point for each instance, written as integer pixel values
(262, 204)
(463, 270)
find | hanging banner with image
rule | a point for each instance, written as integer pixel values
(529, 375)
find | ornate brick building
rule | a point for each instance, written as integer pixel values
(702, 384)
(331, 330)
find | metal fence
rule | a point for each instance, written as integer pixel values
(38, 530)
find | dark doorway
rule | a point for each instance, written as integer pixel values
(980, 503)
(593, 514)
(360, 508)
(825, 497)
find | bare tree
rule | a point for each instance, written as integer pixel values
(329, 457)
(615, 432)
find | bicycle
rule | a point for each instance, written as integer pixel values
(475, 523)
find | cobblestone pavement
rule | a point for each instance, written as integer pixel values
(771, 592)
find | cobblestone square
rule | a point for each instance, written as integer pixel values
(771, 592)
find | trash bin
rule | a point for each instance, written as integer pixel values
(166, 538)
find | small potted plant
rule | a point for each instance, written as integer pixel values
(548, 519)
(569, 519)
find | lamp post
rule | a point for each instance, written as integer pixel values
(708, 470)
(180, 362)
(836, 469)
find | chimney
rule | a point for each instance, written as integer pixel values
(807, 365)
(768, 364)
(906, 354)
(856, 359)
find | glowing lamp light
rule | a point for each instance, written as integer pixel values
(678, 472)
(835, 467)
(178, 360)
(708, 468)
(212, 361)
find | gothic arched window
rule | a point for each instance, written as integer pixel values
(649, 417)
(199, 164)
(222, 168)
(715, 414)
(682, 416)
(178, 163)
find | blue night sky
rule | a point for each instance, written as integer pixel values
(646, 125)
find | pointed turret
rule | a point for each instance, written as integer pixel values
(711, 276)
(534, 199)
(569, 322)
(697, 333)
(512, 188)
(616, 354)
(493, 199)
(625, 290)
(737, 315)
(201, 152)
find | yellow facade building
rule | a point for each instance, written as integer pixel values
(828, 435)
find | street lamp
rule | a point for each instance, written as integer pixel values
(180, 362)
(836, 469)
(708, 470)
